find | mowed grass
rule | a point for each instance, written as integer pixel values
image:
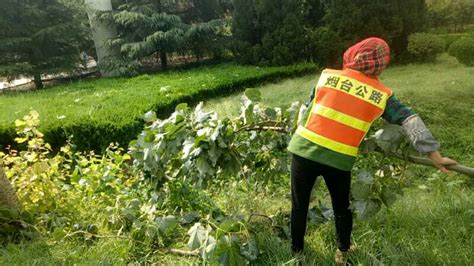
(432, 224)
(102, 111)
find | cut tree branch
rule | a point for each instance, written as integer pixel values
(425, 161)
(274, 126)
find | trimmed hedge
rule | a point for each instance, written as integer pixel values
(463, 50)
(425, 47)
(96, 113)
(450, 38)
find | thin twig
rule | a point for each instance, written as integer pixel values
(259, 215)
(263, 126)
(94, 235)
(184, 252)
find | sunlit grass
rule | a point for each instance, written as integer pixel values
(430, 225)
(102, 111)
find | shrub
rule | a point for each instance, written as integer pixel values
(451, 38)
(425, 47)
(463, 50)
(102, 111)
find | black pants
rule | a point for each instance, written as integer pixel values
(303, 175)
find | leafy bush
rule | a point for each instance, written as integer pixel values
(99, 112)
(450, 38)
(425, 47)
(53, 189)
(463, 50)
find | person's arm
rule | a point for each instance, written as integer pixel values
(306, 104)
(419, 135)
(311, 96)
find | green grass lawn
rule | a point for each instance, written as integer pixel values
(432, 224)
(102, 111)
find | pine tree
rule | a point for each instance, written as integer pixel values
(148, 27)
(269, 32)
(206, 34)
(207, 38)
(145, 29)
(315, 11)
(38, 38)
(393, 20)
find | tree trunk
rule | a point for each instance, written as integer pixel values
(8, 198)
(37, 80)
(101, 33)
(164, 61)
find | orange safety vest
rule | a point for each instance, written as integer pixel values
(346, 104)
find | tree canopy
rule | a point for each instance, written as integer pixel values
(149, 27)
(39, 37)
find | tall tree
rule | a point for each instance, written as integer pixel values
(453, 15)
(393, 20)
(102, 31)
(39, 37)
(148, 27)
(269, 32)
(145, 28)
(315, 11)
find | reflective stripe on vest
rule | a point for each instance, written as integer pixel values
(345, 106)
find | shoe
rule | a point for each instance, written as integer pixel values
(341, 257)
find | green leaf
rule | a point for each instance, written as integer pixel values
(366, 208)
(249, 250)
(360, 190)
(326, 212)
(203, 167)
(197, 236)
(230, 226)
(75, 177)
(315, 215)
(166, 223)
(228, 251)
(368, 145)
(271, 113)
(249, 115)
(189, 218)
(149, 137)
(365, 176)
(21, 140)
(149, 116)
(254, 95)
(388, 196)
(182, 107)
(19, 123)
(388, 138)
(208, 247)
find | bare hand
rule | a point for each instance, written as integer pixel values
(440, 162)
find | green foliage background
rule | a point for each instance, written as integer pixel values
(40, 38)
